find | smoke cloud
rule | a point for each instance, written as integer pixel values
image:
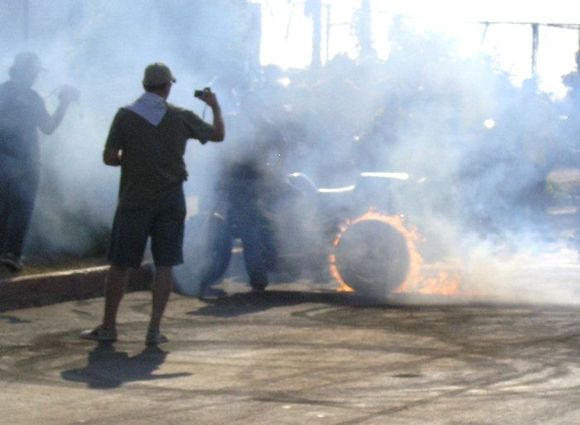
(480, 151)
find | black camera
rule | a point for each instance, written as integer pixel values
(201, 94)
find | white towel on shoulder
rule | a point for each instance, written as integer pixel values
(149, 106)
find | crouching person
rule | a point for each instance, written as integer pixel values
(147, 140)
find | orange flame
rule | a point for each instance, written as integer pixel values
(444, 283)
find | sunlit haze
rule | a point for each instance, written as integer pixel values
(438, 91)
(508, 39)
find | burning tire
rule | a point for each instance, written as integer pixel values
(207, 254)
(372, 258)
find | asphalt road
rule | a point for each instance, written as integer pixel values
(301, 353)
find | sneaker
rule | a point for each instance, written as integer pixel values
(259, 285)
(12, 262)
(154, 337)
(100, 334)
(212, 294)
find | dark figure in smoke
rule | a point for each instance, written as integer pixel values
(147, 140)
(242, 185)
(22, 113)
(249, 184)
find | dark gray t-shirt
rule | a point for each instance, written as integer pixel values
(152, 165)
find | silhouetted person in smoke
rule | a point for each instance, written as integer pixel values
(242, 183)
(247, 182)
(22, 114)
(147, 140)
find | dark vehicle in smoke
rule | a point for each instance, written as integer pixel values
(301, 227)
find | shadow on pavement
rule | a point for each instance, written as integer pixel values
(253, 302)
(108, 368)
(13, 320)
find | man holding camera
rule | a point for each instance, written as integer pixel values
(147, 140)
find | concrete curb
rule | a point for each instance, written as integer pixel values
(50, 288)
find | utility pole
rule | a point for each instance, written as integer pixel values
(535, 46)
(254, 37)
(328, 15)
(313, 8)
(578, 53)
(363, 29)
(536, 38)
(25, 22)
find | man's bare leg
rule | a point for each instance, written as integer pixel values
(162, 287)
(115, 287)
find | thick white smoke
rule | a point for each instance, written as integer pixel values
(102, 48)
(479, 146)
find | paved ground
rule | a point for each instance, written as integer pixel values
(301, 353)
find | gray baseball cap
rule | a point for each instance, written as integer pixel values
(158, 74)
